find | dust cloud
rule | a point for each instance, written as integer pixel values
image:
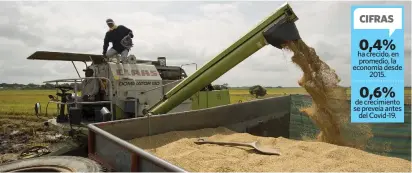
(330, 110)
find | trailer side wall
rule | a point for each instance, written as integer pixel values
(108, 140)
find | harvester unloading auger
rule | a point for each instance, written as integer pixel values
(276, 30)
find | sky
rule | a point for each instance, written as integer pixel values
(183, 32)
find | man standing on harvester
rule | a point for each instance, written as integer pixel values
(121, 39)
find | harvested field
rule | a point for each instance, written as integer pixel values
(178, 147)
(23, 132)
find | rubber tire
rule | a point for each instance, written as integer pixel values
(76, 164)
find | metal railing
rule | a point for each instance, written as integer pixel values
(76, 103)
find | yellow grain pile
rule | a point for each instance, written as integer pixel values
(178, 148)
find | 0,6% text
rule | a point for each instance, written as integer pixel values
(377, 92)
(378, 45)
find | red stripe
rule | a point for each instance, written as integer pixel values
(105, 123)
(135, 163)
(101, 162)
(91, 142)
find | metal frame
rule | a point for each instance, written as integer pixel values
(77, 71)
(137, 152)
(189, 64)
(75, 80)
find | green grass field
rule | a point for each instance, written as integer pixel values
(237, 95)
(21, 102)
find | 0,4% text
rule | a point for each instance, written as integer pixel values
(377, 92)
(378, 45)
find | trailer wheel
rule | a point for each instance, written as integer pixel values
(52, 164)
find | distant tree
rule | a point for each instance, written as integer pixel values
(217, 87)
(48, 86)
(31, 85)
(257, 91)
(226, 85)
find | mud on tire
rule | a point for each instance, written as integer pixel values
(52, 164)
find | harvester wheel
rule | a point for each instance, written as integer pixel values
(52, 164)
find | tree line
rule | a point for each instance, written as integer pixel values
(46, 86)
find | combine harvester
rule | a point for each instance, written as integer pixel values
(149, 94)
(126, 90)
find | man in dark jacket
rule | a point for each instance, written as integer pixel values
(121, 39)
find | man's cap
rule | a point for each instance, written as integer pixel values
(109, 21)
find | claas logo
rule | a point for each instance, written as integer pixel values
(138, 72)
